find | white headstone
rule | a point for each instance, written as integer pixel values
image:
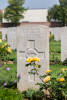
(11, 37)
(64, 44)
(4, 33)
(57, 31)
(32, 40)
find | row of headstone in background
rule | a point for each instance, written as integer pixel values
(60, 33)
(11, 37)
(32, 40)
(9, 34)
(4, 33)
(64, 44)
(57, 32)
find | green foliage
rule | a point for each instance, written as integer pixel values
(33, 63)
(29, 93)
(1, 17)
(51, 38)
(10, 94)
(12, 57)
(59, 12)
(56, 68)
(8, 76)
(33, 94)
(55, 85)
(5, 56)
(63, 7)
(17, 2)
(3, 50)
(14, 11)
(57, 88)
(54, 13)
(55, 52)
(63, 2)
(64, 62)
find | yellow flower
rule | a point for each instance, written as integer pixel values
(36, 59)
(47, 78)
(48, 71)
(64, 69)
(60, 79)
(9, 50)
(6, 44)
(2, 46)
(29, 59)
(0, 40)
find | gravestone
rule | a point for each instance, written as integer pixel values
(64, 44)
(4, 33)
(57, 31)
(32, 40)
(11, 37)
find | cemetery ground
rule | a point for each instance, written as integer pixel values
(8, 74)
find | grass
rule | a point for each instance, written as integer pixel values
(56, 68)
(8, 76)
(55, 50)
(12, 56)
(10, 94)
(55, 55)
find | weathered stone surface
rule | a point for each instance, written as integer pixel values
(57, 31)
(32, 40)
(10, 34)
(4, 33)
(64, 44)
(11, 37)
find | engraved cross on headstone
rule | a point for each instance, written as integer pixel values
(32, 51)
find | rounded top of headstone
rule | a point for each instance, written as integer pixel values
(33, 25)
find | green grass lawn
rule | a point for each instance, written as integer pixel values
(56, 68)
(55, 50)
(8, 72)
(8, 76)
(55, 54)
